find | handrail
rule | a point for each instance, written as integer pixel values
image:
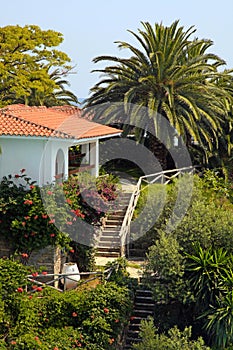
(125, 227)
(56, 277)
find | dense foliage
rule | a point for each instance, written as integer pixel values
(190, 269)
(47, 319)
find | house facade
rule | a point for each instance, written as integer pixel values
(40, 140)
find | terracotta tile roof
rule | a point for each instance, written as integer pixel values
(62, 122)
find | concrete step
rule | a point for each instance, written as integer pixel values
(142, 313)
(108, 254)
(144, 293)
(144, 306)
(108, 245)
(110, 238)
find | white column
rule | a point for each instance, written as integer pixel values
(94, 158)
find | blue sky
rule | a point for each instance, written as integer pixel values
(90, 27)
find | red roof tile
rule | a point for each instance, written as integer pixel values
(62, 122)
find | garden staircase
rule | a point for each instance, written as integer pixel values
(109, 242)
(143, 308)
(114, 238)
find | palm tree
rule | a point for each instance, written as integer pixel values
(173, 77)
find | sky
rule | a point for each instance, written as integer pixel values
(91, 27)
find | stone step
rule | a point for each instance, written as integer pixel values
(106, 249)
(142, 313)
(108, 254)
(110, 238)
(108, 245)
(132, 340)
(144, 306)
(112, 223)
(144, 292)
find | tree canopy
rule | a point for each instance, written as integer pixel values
(28, 56)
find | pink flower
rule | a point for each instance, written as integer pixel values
(44, 216)
(74, 314)
(51, 221)
(49, 193)
(68, 222)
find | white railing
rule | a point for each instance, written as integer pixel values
(164, 177)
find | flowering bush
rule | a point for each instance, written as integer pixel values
(87, 319)
(33, 218)
(24, 219)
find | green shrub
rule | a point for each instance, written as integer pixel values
(174, 340)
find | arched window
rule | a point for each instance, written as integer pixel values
(59, 165)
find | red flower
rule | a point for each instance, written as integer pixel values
(44, 216)
(36, 338)
(31, 187)
(69, 223)
(24, 255)
(22, 170)
(51, 221)
(39, 289)
(30, 297)
(72, 251)
(13, 342)
(111, 341)
(34, 287)
(20, 290)
(44, 272)
(49, 193)
(106, 310)
(52, 235)
(35, 217)
(17, 176)
(132, 318)
(26, 217)
(74, 314)
(23, 223)
(28, 201)
(35, 274)
(69, 201)
(116, 321)
(56, 348)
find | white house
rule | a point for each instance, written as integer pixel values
(38, 139)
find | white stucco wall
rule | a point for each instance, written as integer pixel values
(37, 156)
